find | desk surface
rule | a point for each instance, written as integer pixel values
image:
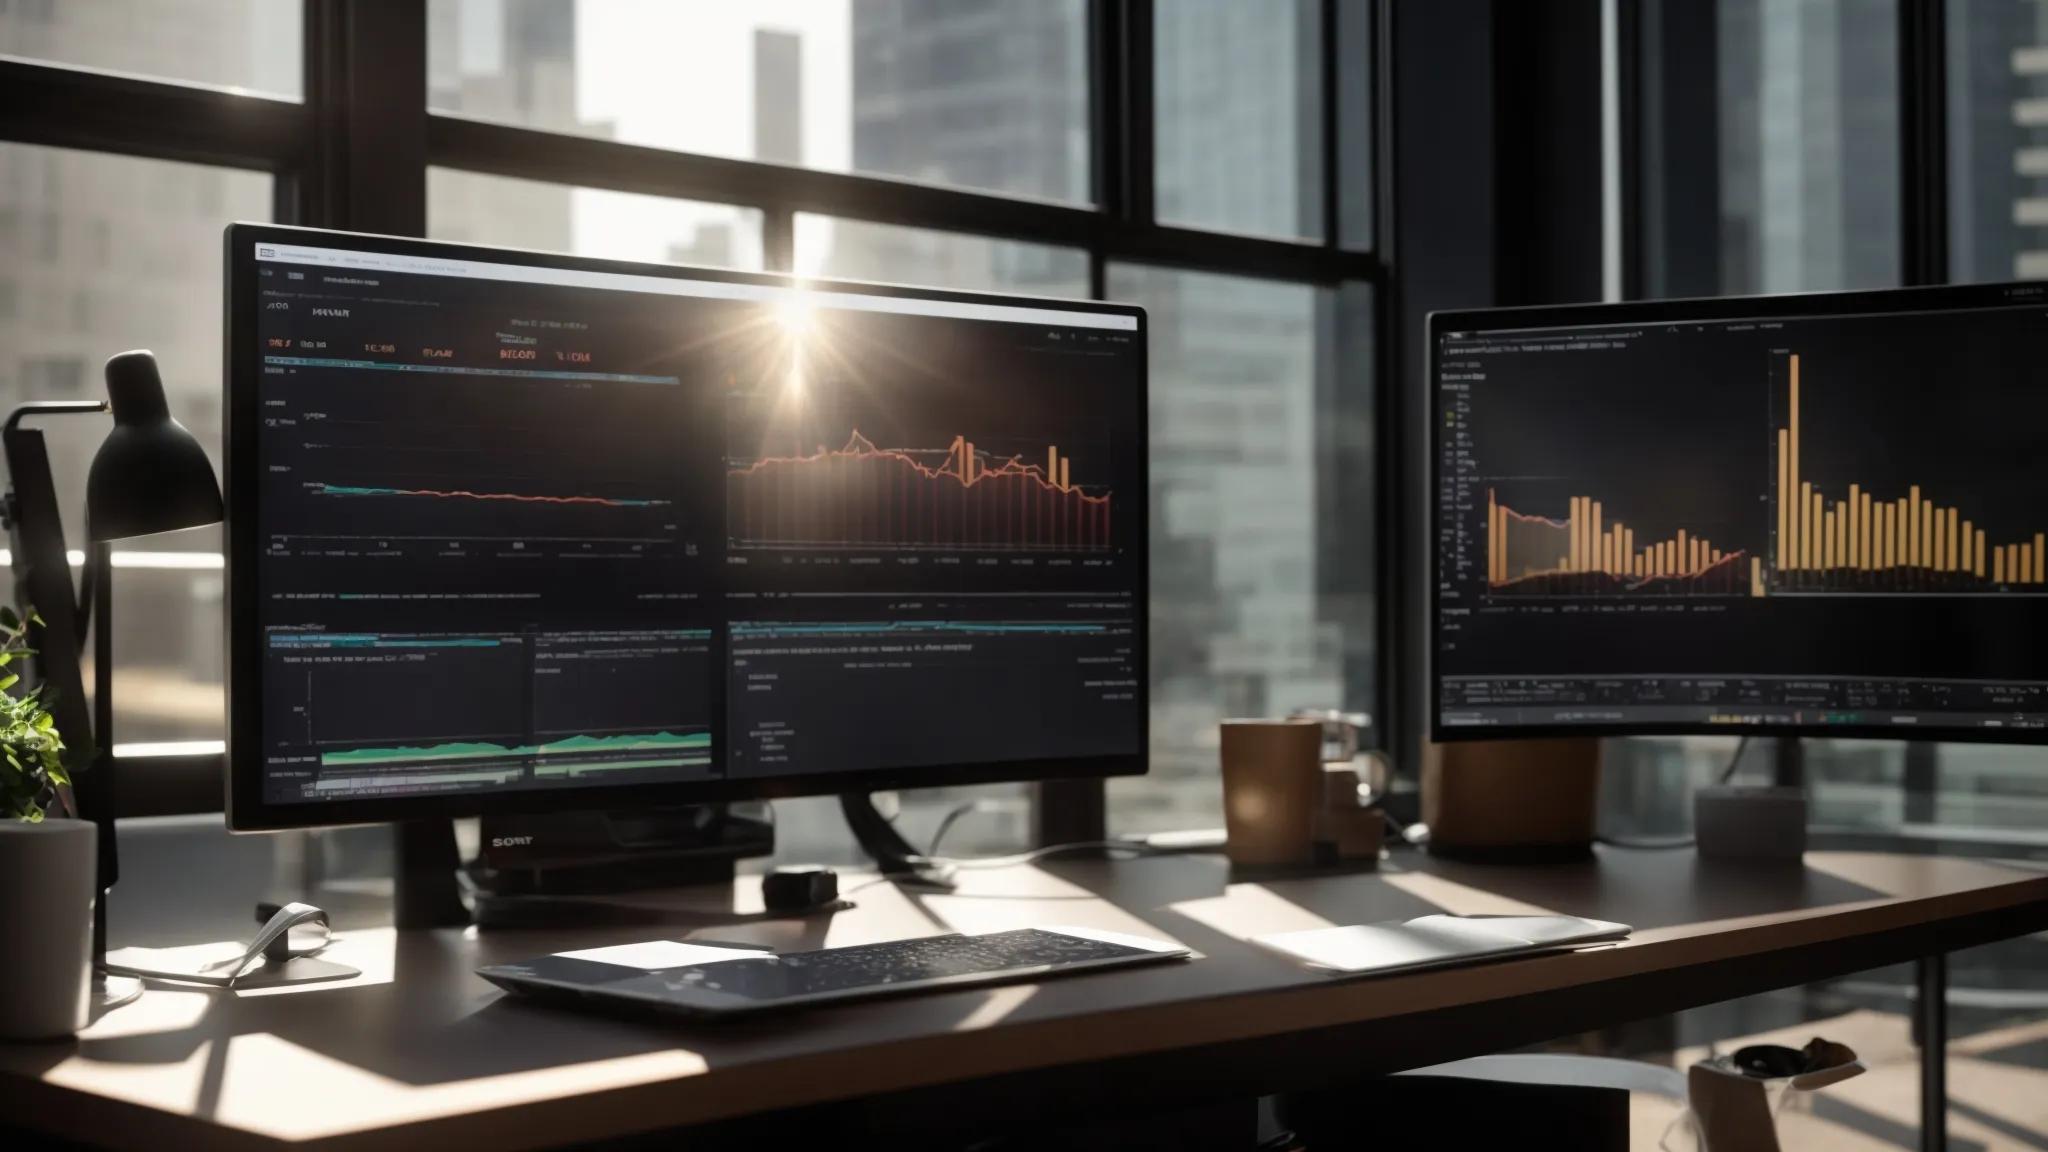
(420, 1048)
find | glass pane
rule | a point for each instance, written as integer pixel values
(470, 208)
(99, 254)
(987, 94)
(1238, 97)
(1261, 560)
(252, 45)
(1809, 144)
(1998, 139)
(858, 250)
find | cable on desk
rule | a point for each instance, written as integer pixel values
(1135, 848)
(952, 817)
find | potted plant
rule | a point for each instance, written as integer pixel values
(46, 864)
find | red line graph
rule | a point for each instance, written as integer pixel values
(862, 495)
(465, 494)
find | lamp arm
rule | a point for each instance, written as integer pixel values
(21, 412)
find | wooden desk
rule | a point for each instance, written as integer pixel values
(420, 1052)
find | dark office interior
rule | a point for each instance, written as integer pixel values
(1005, 574)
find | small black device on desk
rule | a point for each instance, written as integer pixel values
(695, 980)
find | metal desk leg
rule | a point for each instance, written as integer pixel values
(1930, 1027)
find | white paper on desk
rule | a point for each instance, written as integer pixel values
(654, 955)
(1432, 941)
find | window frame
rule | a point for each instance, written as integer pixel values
(354, 154)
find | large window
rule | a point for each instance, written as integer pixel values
(1207, 160)
(985, 94)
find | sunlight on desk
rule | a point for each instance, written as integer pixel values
(1460, 899)
(176, 1083)
(265, 1070)
(1001, 899)
(162, 1008)
(370, 950)
(1248, 910)
(1906, 877)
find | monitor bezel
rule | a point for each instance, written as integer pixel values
(1956, 297)
(248, 810)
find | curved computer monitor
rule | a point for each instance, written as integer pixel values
(1814, 514)
(519, 532)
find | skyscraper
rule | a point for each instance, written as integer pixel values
(778, 96)
(1998, 137)
(1809, 145)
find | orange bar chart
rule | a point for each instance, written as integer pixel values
(1588, 551)
(1909, 539)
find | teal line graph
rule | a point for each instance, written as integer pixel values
(757, 629)
(324, 489)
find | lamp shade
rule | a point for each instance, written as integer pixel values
(149, 475)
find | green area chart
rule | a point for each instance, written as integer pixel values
(663, 749)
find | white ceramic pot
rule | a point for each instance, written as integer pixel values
(46, 893)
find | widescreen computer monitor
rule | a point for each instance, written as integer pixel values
(1816, 514)
(517, 532)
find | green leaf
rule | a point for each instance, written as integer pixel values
(9, 681)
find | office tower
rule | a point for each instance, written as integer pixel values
(983, 94)
(778, 96)
(1239, 120)
(1809, 145)
(1998, 137)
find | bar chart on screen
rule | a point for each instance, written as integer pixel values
(1588, 551)
(1886, 536)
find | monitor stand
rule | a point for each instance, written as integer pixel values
(429, 892)
(426, 892)
(580, 869)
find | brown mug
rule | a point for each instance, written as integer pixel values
(1273, 789)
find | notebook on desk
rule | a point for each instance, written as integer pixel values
(1437, 941)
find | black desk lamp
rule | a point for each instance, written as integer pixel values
(149, 476)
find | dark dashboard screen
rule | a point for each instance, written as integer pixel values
(527, 527)
(1816, 512)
